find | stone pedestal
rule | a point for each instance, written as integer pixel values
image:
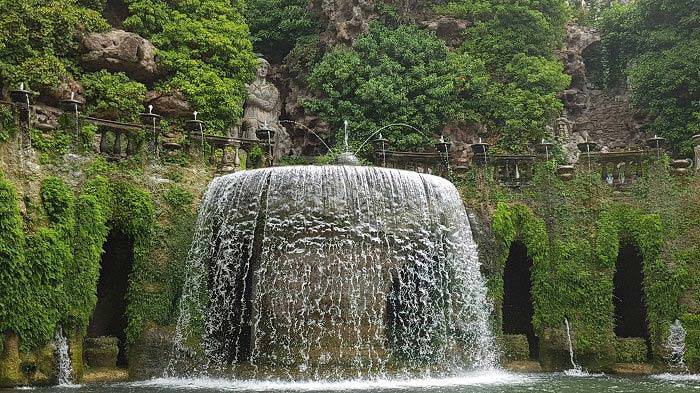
(10, 373)
(101, 352)
(148, 357)
(696, 142)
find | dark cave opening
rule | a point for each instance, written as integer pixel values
(109, 316)
(630, 306)
(517, 297)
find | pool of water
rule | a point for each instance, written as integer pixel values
(492, 382)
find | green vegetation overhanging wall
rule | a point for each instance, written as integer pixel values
(654, 45)
(204, 51)
(50, 278)
(573, 232)
(39, 42)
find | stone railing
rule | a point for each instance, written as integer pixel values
(421, 162)
(620, 169)
(514, 170)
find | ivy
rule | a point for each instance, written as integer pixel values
(573, 232)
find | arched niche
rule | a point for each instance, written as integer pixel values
(517, 305)
(109, 317)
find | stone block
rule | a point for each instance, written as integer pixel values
(515, 347)
(630, 350)
(10, 372)
(101, 352)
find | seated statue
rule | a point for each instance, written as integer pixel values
(263, 108)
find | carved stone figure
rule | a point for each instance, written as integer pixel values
(263, 107)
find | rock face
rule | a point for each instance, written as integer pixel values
(594, 114)
(118, 50)
(346, 19)
(448, 29)
(172, 103)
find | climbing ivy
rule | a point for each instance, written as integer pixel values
(573, 231)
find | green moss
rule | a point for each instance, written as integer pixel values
(691, 323)
(514, 347)
(573, 231)
(13, 265)
(631, 350)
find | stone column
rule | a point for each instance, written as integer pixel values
(696, 142)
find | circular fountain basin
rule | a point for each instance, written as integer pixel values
(330, 271)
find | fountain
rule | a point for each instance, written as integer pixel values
(328, 272)
(575, 370)
(675, 344)
(64, 370)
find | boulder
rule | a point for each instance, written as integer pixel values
(120, 51)
(171, 103)
(448, 29)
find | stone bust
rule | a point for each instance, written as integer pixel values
(263, 105)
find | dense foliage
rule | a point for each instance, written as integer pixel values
(653, 47)
(277, 25)
(204, 51)
(113, 96)
(39, 42)
(402, 75)
(573, 232)
(516, 40)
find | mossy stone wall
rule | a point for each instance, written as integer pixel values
(573, 231)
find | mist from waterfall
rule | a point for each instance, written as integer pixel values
(332, 272)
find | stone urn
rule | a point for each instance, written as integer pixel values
(101, 352)
(566, 172)
(682, 167)
(480, 151)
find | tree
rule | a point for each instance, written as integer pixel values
(204, 51)
(652, 46)
(401, 75)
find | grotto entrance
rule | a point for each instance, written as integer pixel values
(109, 317)
(517, 297)
(630, 305)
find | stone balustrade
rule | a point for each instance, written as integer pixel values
(433, 163)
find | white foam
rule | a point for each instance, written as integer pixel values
(495, 377)
(678, 377)
(579, 373)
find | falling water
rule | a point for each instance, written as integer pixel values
(675, 344)
(332, 272)
(64, 370)
(575, 368)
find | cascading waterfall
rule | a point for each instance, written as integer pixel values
(332, 272)
(675, 344)
(64, 370)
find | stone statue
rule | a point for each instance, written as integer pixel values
(263, 107)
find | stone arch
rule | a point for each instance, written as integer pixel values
(517, 307)
(109, 316)
(629, 244)
(522, 253)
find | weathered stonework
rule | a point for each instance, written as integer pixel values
(596, 115)
(121, 51)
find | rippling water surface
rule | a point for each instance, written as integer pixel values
(486, 382)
